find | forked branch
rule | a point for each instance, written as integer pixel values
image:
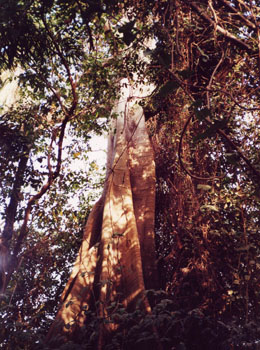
(221, 30)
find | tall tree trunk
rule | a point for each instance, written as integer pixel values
(9, 96)
(11, 212)
(14, 198)
(116, 261)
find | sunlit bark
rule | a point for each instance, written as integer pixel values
(9, 91)
(116, 262)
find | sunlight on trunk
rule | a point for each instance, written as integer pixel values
(9, 89)
(117, 262)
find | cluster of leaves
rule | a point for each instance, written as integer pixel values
(163, 328)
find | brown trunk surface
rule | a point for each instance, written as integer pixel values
(116, 261)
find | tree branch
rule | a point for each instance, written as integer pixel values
(91, 42)
(180, 156)
(238, 14)
(51, 177)
(223, 31)
(219, 131)
(67, 68)
(14, 199)
(212, 77)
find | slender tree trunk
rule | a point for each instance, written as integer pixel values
(11, 212)
(14, 199)
(116, 261)
(9, 95)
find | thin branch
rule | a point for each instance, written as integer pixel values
(214, 15)
(258, 29)
(185, 85)
(238, 150)
(238, 14)
(53, 137)
(55, 93)
(223, 31)
(68, 113)
(219, 131)
(51, 177)
(60, 143)
(212, 77)
(241, 2)
(83, 110)
(180, 155)
(248, 109)
(65, 63)
(182, 136)
(91, 41)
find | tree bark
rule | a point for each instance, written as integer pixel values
(14, 199)
(117, 261)
(11, 212)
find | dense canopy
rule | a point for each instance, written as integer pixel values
(62, 67)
